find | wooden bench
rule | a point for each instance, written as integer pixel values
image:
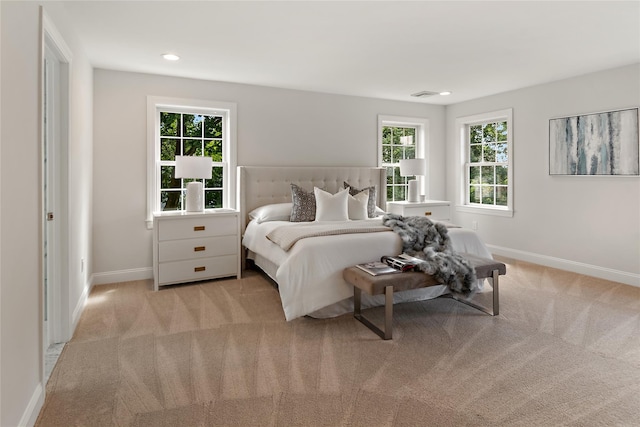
(387, 284)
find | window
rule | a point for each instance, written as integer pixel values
(486, 142)
(400, 138)
(190, 128)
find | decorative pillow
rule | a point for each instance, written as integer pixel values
(304, 205)
(358, 205)
(273, 212)
(371, 205)
(331, 207)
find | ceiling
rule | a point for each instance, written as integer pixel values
(380, 49)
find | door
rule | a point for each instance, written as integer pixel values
(51, 181)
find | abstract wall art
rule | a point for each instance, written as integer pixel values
(595, 144)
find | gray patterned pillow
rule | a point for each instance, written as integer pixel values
(371, 204)
(304, 205)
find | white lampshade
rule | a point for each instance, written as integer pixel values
(194, 167)
(413, 167)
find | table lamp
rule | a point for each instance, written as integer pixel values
(194, 167)
(413, 167)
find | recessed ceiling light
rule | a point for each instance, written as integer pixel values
(424, 94)
(427, 93)
(170, 57)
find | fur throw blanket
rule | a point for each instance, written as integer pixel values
(429, 241)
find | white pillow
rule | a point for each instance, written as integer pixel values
(358, 205)
(331, 207)
(273, 212)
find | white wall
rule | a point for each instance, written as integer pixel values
(22, 387)
(584, 224)
(275, 127)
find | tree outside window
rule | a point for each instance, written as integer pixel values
(183, 134)
(486, 168)
(488, 164)
(398, 142)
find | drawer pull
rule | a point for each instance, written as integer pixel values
(427, 213)
(198, 228)
(199, 269)
(199, 248)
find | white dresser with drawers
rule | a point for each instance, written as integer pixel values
(190, 246)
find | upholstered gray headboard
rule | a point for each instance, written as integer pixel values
(262, 185)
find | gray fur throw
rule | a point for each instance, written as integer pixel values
(429, 241)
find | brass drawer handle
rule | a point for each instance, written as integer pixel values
(199, 248)
(427, 213)
(199, 269)
(198, 228)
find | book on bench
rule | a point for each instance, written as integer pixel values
(377, 268)
(390, 264)
(401, 262)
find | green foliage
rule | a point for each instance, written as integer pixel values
(475, 134)
(487, 195)
(501, 196)
(169, 124)
(190, 135)
(192, 125)
(212, 199)
(397, 143)
(168, 149)
(216, 179)
(489, 132)
(167, 177)
(501, 175)
(488, 144)
(475, 153)
(487, 174)
(213, 127)
(213, 149)
(387, 134)
(489, 152)
(474, 194)
(386, 154)
(474, 174)
(192, 147)
(171, 200)
(501, 129)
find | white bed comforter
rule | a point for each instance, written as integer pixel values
(309, 275)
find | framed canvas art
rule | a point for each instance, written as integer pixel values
(595, 144)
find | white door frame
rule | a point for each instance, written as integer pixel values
(53, 46)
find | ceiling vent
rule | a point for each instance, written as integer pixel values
(424, 94)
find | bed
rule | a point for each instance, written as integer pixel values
(309, 274)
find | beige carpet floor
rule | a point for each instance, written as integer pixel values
(564, 351)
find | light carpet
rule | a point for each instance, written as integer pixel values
(564, 351)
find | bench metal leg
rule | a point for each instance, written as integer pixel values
(385, 334)
(495, 309)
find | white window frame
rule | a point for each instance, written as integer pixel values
(462, 125)
(422, 143)
(156, 104)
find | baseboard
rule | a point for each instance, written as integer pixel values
(82, 301)
(122, 276)
(31, 412)
(573, 266)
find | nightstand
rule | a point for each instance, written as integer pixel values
(190, 246)
(434, 209)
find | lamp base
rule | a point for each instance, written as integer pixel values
(195, 197)
(412, 195)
